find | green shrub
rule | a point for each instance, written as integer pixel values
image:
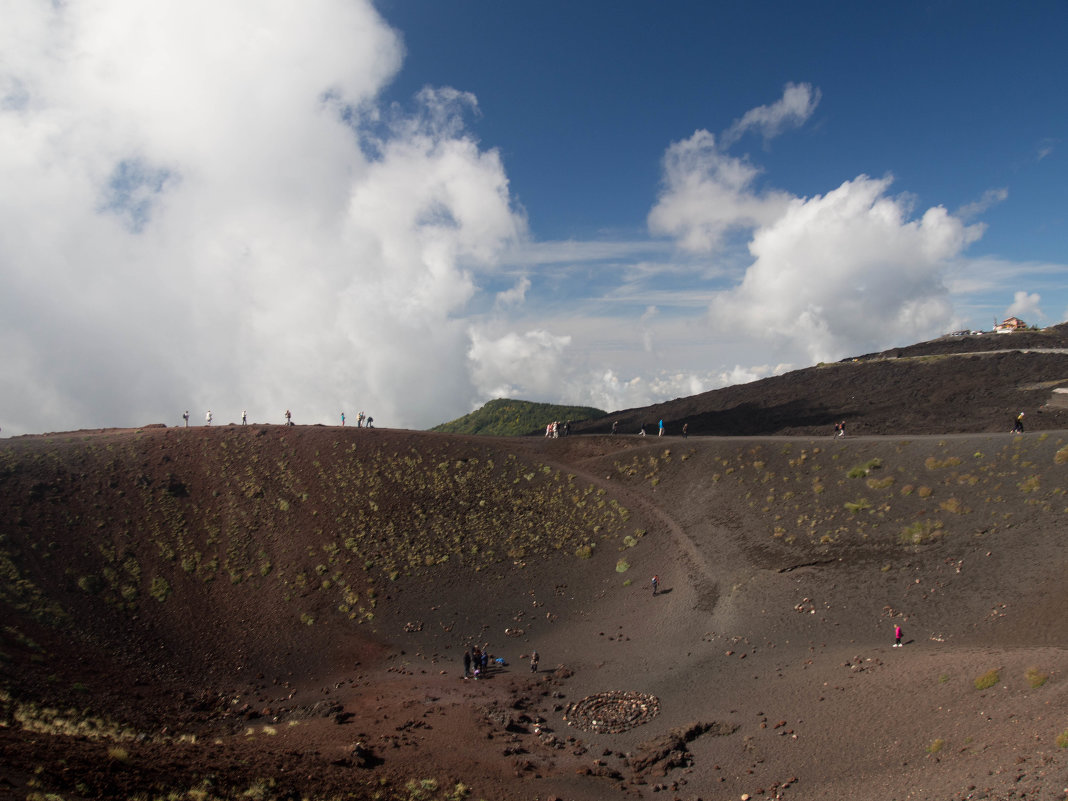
(861, 470)
(920, 531)
(936, 746)
(988, 679)
(160, 589)
(953, 506)
(622, 566)
(1029, 484)
(859, 505)
(584, 551)
(1062, 739)
(90, 584)
(1036, 678)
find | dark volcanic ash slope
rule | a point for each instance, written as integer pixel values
(954, 384)
(152, 577)
(278, 612)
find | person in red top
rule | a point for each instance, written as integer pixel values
(897, 636)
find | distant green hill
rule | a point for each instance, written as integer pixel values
(513, 418)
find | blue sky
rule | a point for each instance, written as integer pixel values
(412, 207)
(581, 99)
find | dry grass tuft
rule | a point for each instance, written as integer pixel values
(1036, 678)
(988, 679)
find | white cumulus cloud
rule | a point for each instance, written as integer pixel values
(205, 207)
(841, 272)
(707, 193)
(529, 365)
(1025, 306)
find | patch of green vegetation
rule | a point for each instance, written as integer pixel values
(91, 584)
(865, 469)
(932, 463)
(859, 505)
(512, 418)
(920, 531)
(1036, 678)
(936, 746)
(953, 506)
(1029, 484)
(988, 679)
(622, 566)
(880, 483)
(160, 589)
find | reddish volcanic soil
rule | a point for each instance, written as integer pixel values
(211, 613)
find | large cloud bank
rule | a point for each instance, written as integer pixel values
(204, 207)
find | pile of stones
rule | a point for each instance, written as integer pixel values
(612, 712)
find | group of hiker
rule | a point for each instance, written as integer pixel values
(477, 662)
(362, 420)
(557, 429)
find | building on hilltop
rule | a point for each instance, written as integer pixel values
(1010, 325)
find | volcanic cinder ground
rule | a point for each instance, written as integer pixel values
(280, 612)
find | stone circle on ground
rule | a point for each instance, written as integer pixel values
(612, 712)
